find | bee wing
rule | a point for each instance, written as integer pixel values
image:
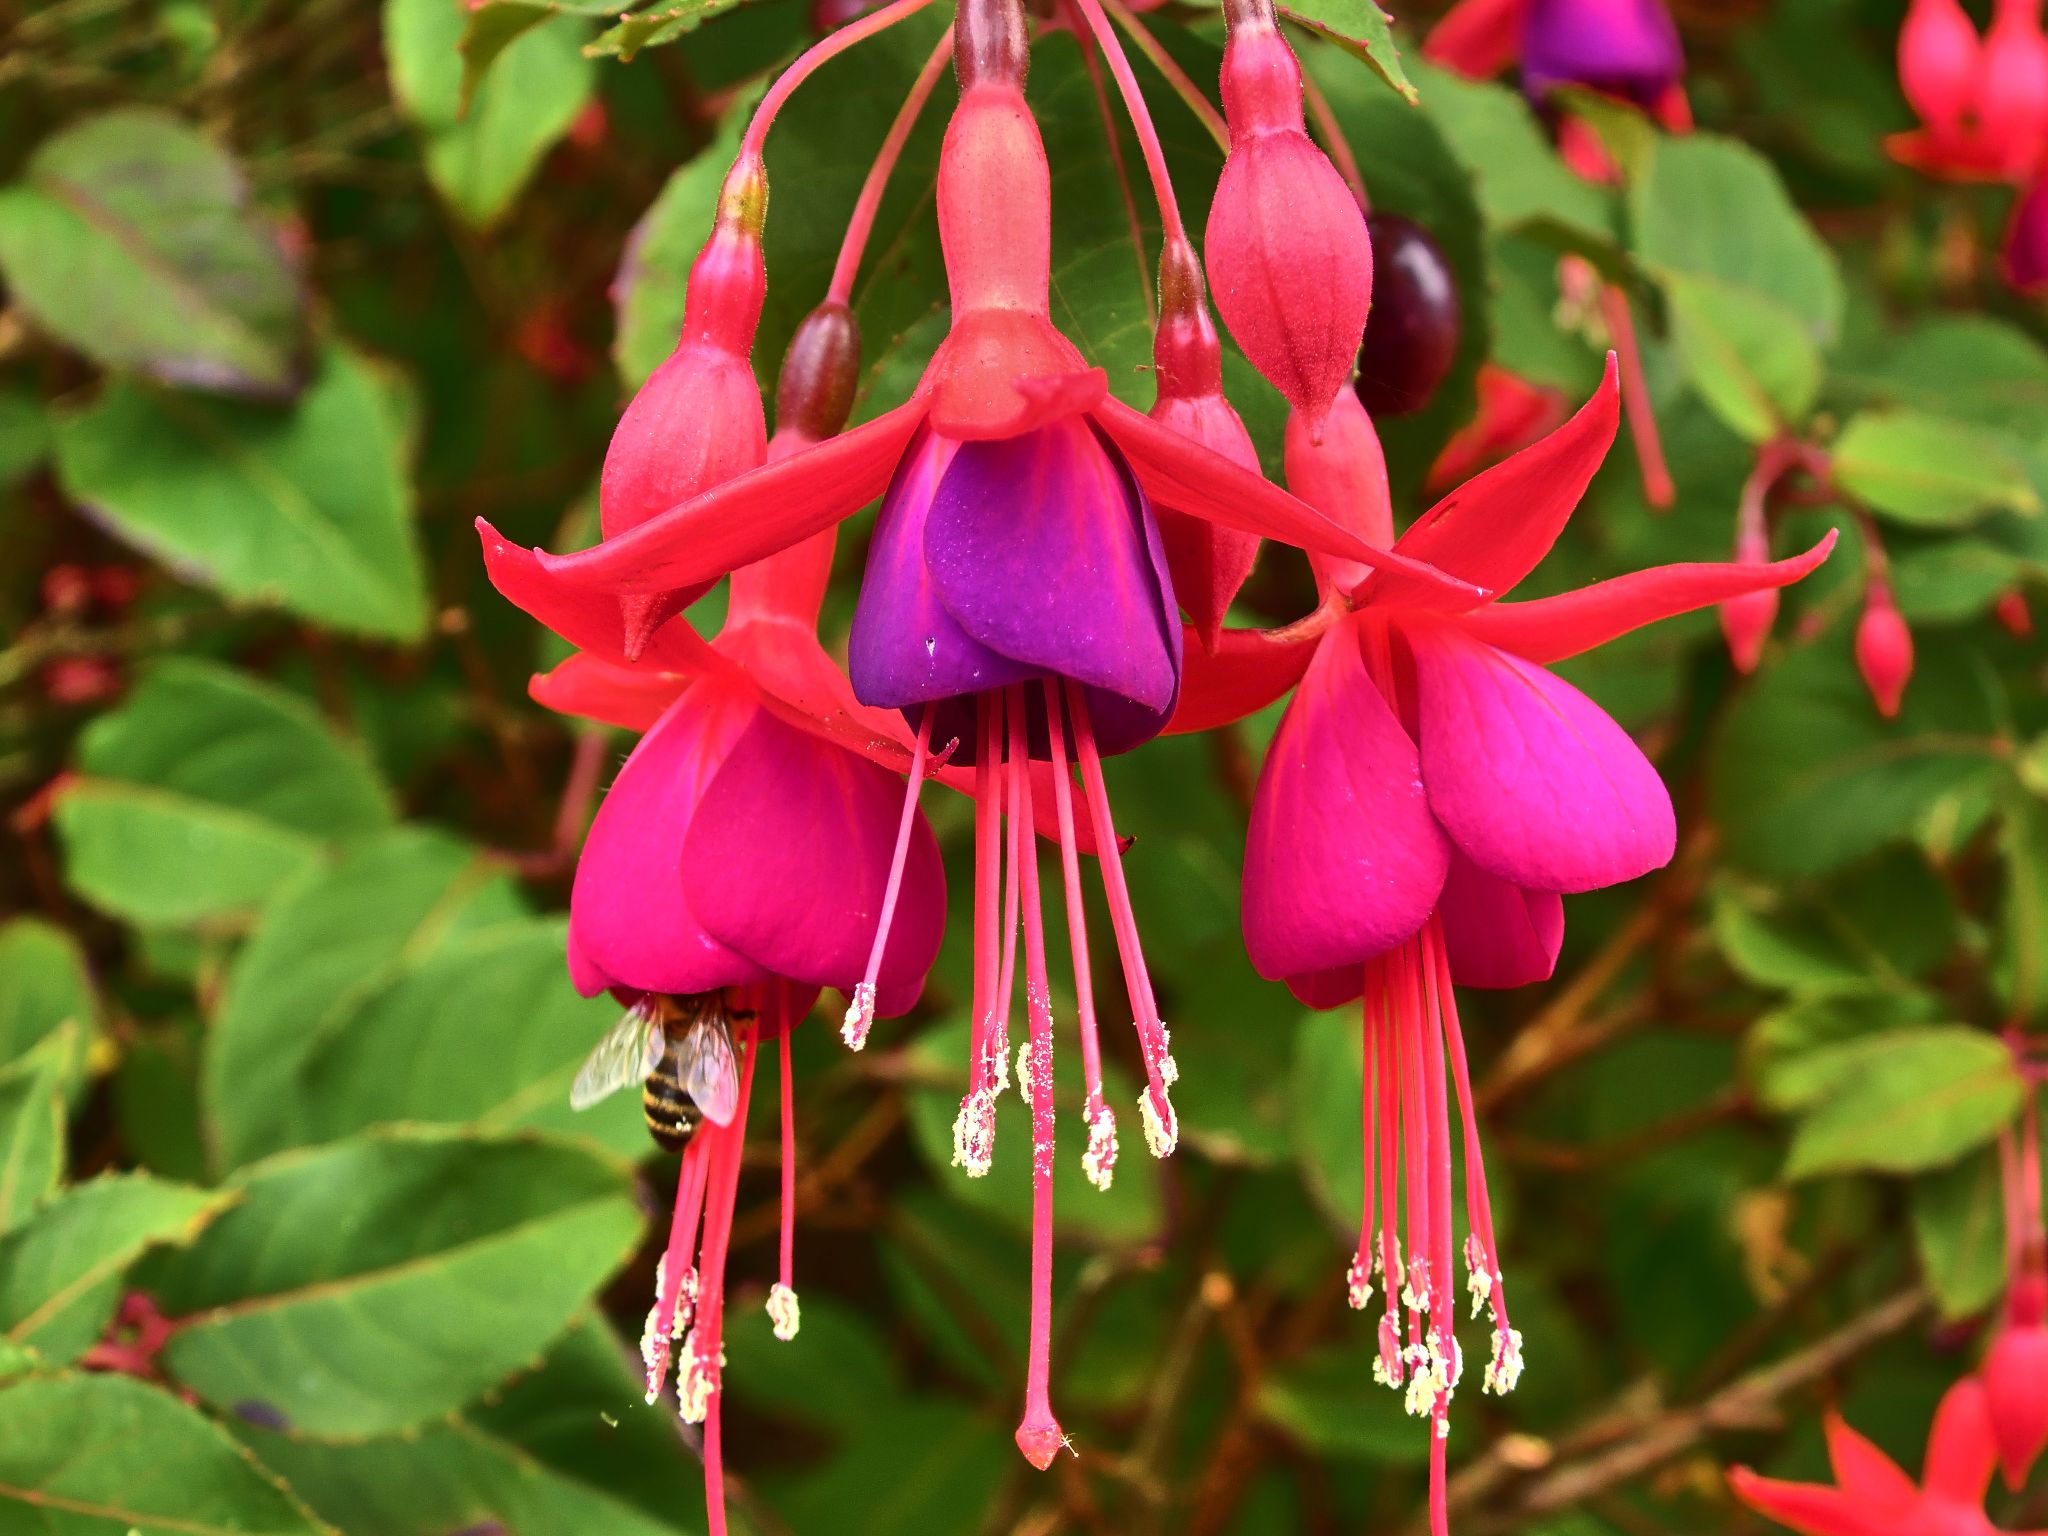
(627, 1054)
(711, 1073)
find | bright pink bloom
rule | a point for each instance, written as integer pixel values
(1627, 49)
(1432, 790)
(1477, 38)
(1982, 103)
(1872, 1496)
(1287, 246)
(1884, 648)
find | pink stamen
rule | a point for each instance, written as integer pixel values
(1386, 1057)
(1100, 1159)
(974, 1130)
(807, 63)
(658, 1339)
(1478, 1204)
(1415, 1139)
(869, 203)
(1038, 1433)
(1019, 833)
(1358, 1279)
(860, 1010)
(1635, 398)
(782, 1305)
(1443, 1305)
(1162, 1128)
(701, 1387)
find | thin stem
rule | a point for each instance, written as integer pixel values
(1100, 1159)
(787, 1268)
(1141, 117)
(1658, 489)
(1177, 78)
(1093, 65)
(807, 63)
(869, 203)
(860, 1011)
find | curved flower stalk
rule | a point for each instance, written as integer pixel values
(1432, 792)
(1873, 1496)
(1982, 101)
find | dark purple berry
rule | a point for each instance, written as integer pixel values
(1412, 333)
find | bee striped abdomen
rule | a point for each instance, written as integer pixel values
(665, 1105)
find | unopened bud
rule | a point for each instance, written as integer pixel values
(1342, 473)
(1746, 621)
(1938, 61)
(2012, 91)
(2012, 613)
(991, 42)
(1884, 649)
(820, 373)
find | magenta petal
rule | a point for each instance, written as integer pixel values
(630, 926)
(1343, 859)
(1324, 990)
(788, 856)
(1497, 934)
(1529, 776)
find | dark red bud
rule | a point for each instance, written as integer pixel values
(820, 373)
(991, 42)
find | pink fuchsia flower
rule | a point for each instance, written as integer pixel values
(1432, 791)
(1884, 648)
(2015, 1370)
(1872, 1496)
(1982, 103)
(1628, 49)
(1287, 246)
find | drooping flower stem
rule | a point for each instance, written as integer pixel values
(1038, 1433)
(1658, 489)
(860, 1011)
(854, 244)
(807, 63)
(1114, 140)
(1140, 114)
(1182, 83)
(1099, 1161)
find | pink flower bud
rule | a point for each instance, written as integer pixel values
(1938, 55)
(1342, 473)
(1884, 649)
(2012, 95)
(697, 421)
(1746, 620)
(2012, 613)
(1286, 244)
(2016, 1378)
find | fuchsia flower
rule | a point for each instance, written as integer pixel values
(2015, 1372)
(1884, 647)
(1287, 246)
(1982, 103)
(1431, 792)
(1872, 1496)
(1627, 49)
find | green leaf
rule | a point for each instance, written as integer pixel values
(205, 793)
(1326, 1113)
(1127, 1212)
(32, 1127)
(372, 1285)
(24, 435)
(1920, 1100)
(43, 985)
(1517, 178)
(1328, 1402)
(303, 509)
(1953, 580)
(130, 237)
(1886, 922)
(1710, 207)
(2023, 847)
(1959, 1233)
(1807, 778)
(667, 22)
(321, 953)
(412, 1052)
(1747, 354)
(109, 1456)
(1361, 27)
(567, 1447)
(480, 159)
(1927, 470)
(923, 1470)
(1966, 367)
(60, 1274)
(1800, 1054)
(494, 25)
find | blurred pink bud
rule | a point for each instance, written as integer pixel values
(1884, 649)
(2012, 96)
(2012, 612)
(1938, 56)
(2016, 1379)
(1287, 248)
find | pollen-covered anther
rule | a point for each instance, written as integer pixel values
(783, 1311)
(1505, 1369)
(860, 1016)
(686, 1305)
(1386, 1367)
(1099, 1161)
(1169, 1069)
(1162, 1125)
(1358, 1282)
(974, 1133)
(997, 1058)
(1415, 1289)
(698, 1381)
(1425, 1379)
(1024, 1071)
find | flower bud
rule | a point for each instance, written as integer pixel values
(1208, 563)
(2012, 95)
(1342, 473)
(1746, 620)
(697, 421)
(1286, 243)
(1938, 55)
(2015, 1370)
(2013, 614)
(1884, 649)
(820, 372)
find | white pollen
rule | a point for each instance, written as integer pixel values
(783, 1311)
(974, 1133)
(1162, 1132)
(1024, 1071)
(1358, 1282)
(1504, 1371)
(860, 1017)
(1099, 1161)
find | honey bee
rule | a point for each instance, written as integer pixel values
(679, 1049)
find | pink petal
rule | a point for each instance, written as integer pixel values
(1343, 475)
(587, 619)
(1477, 38)
(2016, 1387)
(1961, 1451)
(630, 925)
(1497, 934)
(1324, 990)
(1342, 860)
(1247, 670)
(788, 855)
(1807, 1508)
(1208, 563)
(750, 517)
(1492, 530)
(1529, 776)
(592, 688)
(1864, 1472)
(1184, 475)
(1552, 628)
